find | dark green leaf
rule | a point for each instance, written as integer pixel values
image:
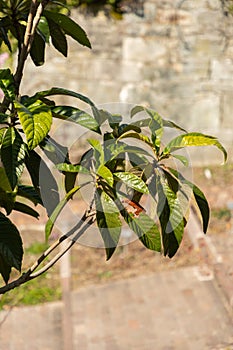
(145, 228)
(58, 38)
(37, 51)
(3, 119)
(7, 196)
(199, 197)
(114, 119)
(3, 32)
(43, 29)
(11, 250)
(54, 151)
(172, 181)
(69, 27)
(51, 221)
(70, 179)
(125, 128)
(76, 115)
(7, 83)
(30, 193)
(25, 209)
(108, 221)
(13, 155)
(60, 91)
(43, 181)
(36, 121)
(170, 216)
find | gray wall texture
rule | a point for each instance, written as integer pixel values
(177, 59)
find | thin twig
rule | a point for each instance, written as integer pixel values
(60, 254)
(29, 275)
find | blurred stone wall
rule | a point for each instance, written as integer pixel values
(178, 59)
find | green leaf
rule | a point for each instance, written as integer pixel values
(5, 22)
(13, 155)
(115, 149)
(3, 119)
(36, 121)
(132, 181)
(172, 181)
(100, 115)
(7, 200)
(11, 250)
(156, 127)
(76, 115)
(60, 91)
(69, 27)
(54, 151)
(114, 119)
(7, 196)
(37, 51)
(4, 181)
(155, 124)
(200, 199)
(30, 193)
(135, 110)
(2, 133)
(43, 181)
(124, 128)
(7, 83)
(98, 151)
(25, 209)
(170, 124)
(70, 179)
(43, 29)
(106, 174)
(137, 136)
(51, 221)
(108, 221)
(170, 216)
(145, 228)
(70, 168)
(193, 139)
(142, 123)
(181, 158)
(58, 38)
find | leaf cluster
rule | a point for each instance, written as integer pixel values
(127, 164)
(53, 28)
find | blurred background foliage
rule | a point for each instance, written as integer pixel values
(115, 8)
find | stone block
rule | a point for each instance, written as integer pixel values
(150, 10)
(227, 110)
(131, 71)
(143, 49)
(222, 69)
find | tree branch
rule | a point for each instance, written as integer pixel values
(29, 274)
(34, 16)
